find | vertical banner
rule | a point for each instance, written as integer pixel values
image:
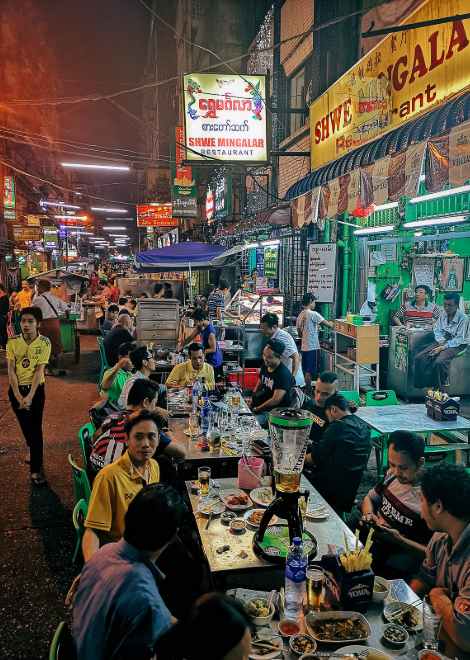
(413, 168)
(343, 192)
(334, 189)
(396, 176)
(459, 154)
(437, 163)
(322, 271)
(354, 190)
(379, 173)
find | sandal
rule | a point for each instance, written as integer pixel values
(38, 480)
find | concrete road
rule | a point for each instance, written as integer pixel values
(36, 532)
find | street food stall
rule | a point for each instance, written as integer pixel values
(67, 286)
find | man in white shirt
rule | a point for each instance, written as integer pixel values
(270, 328)
(308, 323)
(52, 308)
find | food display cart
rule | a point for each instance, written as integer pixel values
(67, 285)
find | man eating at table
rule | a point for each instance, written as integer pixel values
(445, 572)
(196, 368)
(393, 508)
(325, 386)
(144, 365)
(275, 384)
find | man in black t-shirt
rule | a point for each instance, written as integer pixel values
(340, 457)
(120, 334)
(275, 384)
(325, 386)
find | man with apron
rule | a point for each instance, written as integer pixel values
(51, 308)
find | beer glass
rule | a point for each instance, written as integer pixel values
(431, 626)
(204, 477)
(193, 426)
(315, 582)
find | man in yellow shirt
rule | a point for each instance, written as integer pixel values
(27, 356)
(184, 374)
(24, 297)
(118, 483)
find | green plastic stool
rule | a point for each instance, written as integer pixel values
(85, 436)
(378, 399)
(103, 360)
(351, 395)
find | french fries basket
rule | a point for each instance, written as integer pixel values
(356, 576)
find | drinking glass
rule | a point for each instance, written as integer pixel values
(204, 477)
(315, 582)
(431, 626)
(194, 426)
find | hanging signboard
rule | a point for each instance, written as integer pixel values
(407, 73)
(50, 237)
(22, 233)
(155, 215)
(183, 191)
(322, 271)
(225, 118)
(9, 196)
(34, 220)
(209, 204)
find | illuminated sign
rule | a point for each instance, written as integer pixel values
(225, 117)
(156, 215)
(50, 237)
(9, 197)
(407, 73)
(209, 204)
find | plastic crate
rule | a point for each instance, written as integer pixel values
(246, 380)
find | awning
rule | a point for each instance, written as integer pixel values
(435, 122)
(57, 275)
(184, 256)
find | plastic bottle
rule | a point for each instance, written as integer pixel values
(196, 393)
(205, 411)
(295, 579)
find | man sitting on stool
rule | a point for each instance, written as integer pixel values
(433, 363)
(275, 385)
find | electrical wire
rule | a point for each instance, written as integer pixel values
(158, 83)
(59, 186)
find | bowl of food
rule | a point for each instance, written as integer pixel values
(227, 517)
(259, 611)
(381, 589)
(288, 627)
(302, 644)
(337, 627)
(395, 635)
(266, 645)
(405, 615)
(429, 654)
(238, 526)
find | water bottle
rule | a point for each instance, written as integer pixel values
(295, 579)
(205, 416)
(196, 393)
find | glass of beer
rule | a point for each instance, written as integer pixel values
(287, 481)
(193, 426)
(204, 477)
(315, 582)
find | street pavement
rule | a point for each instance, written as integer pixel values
(36, 532)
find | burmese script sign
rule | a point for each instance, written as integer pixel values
(225, 117)
(407, 73)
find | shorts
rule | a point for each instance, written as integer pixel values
(310, 362)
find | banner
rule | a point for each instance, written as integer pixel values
(22, 233)
(50, 237)
(9, 196)
(383, 16)
(459, 154)
(333, 198)
(437, 163)
(183, 191)
(155, 215)
(225, 117)
(305, 208)
(413, 168)
(354, 190)
(34, 220)
(407, 73)
(322, 271)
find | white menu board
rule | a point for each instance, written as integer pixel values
(322, 271)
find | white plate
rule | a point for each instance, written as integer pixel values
(255, 495)
(318, 513)
(356, 648)
(276, 639)
(247, 515)
(312, 617)
(226, 494)
(393, 606)
(212, 505)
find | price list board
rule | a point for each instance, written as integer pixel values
(322, 271)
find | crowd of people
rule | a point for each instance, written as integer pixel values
(143, 588)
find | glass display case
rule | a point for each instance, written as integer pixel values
(252, 306)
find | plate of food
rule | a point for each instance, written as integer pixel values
(318, 512)
(253, 517)
(364, 651)
(403, 614)
(266, 645)
(235, 499)
(211, 506)
(337, 627)
(262, 496)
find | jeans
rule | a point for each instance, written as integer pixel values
(433, 370)
(30, 422)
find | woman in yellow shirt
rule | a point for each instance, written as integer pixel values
(27, 357)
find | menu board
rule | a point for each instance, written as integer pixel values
(322, 271)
